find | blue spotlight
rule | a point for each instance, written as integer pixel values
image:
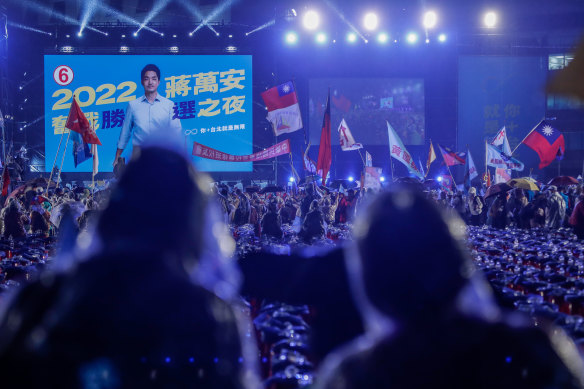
(370, 21)
(382, 37)
(351, 179)
(439, 179)
(135, 33)
(291, 38)
(430, 19)
(216, 13)
(351, 37)
(311, 20)
(40, 8)
(291, 179)
(412, 38)
(321, 38)
(27, 28)
(490, 19)
(80, 34)
(382, 179)
(442, 37)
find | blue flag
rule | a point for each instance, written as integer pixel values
(81, 150)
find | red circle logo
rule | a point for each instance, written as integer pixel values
(63, 75)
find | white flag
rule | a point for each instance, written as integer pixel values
(346, 139)
(502, 141)
(398, 151)
(496, 158)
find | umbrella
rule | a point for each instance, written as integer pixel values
(272, 188)
(497, 188)
(563, 181)
(522, 183)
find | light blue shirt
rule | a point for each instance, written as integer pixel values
(145, 118)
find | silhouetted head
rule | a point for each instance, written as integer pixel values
(157, 206)
(411, 263)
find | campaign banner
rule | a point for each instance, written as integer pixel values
(212, 96)
(276, 150)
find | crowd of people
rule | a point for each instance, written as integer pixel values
(196, 285)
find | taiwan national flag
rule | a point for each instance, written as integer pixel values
(452, 158)
(547, 142)
(283, 108)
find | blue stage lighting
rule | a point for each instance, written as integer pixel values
(321, 38)
(439, 179)
(311, 20)
(430, 19)
(382, 37)
(351, 179)
(412, 37)
(370, 21)
(490, 19)
(291, 38)
(351, 37)
(382, 179)
(291, 179)
(442, 37)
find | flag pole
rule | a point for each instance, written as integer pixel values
(391, 164)
(448, 167)
(62, 160)
(361, 155)
(527, 135)
(58, 149)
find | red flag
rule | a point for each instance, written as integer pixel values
(452, 158)
(5, 181)
(324, 151)
(76, 121)
(547, 142)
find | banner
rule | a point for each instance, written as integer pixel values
(373, 177)
(276, 150)
(502, 141)
(398, 151)
(212, 96)
(496, 158)
(368, 159)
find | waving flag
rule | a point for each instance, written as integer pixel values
(398, 151)
(501, 175)
(470, 171)
(431, 157)
(81, 150)
(323, 164)
(76, 121)
(496, 158)
(346, 139)
(547, 142)
(502, 141)
(452, 158)
(283, 108)
(308, 163)
(368, 159)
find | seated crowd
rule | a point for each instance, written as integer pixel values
(148, 292)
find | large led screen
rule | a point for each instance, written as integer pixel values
(366, 104)
(212, 97)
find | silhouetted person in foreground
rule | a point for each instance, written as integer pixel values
(140, 311)
(429, 317)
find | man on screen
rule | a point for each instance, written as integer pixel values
(147, 114)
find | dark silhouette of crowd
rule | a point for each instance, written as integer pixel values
(340, 289)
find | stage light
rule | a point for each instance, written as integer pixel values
(27, 28)
(351, 179)
(442, 37)
(370, 21)
(205, 21)
(174, 35)
(135, 33)
(321, 38)
(67, 36)
(311, 20)
(158, 6)
(382, 37)
(412, 38)
(173, 49)
(382, 179)
(430, 19)
(79, 34)
(439, 179)
(230, 36)
(427, 40)
(291, 38)
(341, 16)
(265, 25)
(231, 49)
(89, 8)
(190, 34)
(351, 37)
(123, 35)
(123, 17)
(124, 49)
(490, 19)
(291, 179)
